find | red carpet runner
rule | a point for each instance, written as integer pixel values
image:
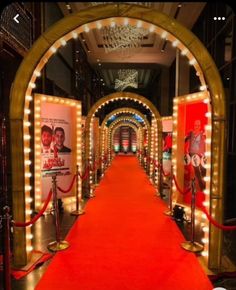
(124, 241)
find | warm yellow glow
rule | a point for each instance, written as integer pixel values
(204, 253)
(53, 49)
(63, 42)
(192, 61)
(74, 34)
(29, 98)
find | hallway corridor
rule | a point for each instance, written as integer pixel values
(124, 241)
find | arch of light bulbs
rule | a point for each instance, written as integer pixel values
(200, 217)
(112, 130)
(140, 138)
(62, 42)
(156, 125)
(74, 34)
(126, 121)
(124, 110)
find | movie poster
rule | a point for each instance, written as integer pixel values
(194, 149)
(167, 144)
(58, 156)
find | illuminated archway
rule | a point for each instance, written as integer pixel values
(56, 36)
(118, 125)
(126, 121)
(156, 127)
(125, 110)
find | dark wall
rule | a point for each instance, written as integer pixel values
(219, 36)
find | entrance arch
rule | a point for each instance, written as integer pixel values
(118, 125)
(156, 124)
(128, 110)
(126, 121)
(45, 46)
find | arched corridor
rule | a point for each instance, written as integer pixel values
(117, 145)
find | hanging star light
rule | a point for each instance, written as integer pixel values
(127, 78)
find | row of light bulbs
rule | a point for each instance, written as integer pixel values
(104, 129)
(62, 42)
(200, 217)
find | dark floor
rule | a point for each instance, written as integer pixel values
(43, 238)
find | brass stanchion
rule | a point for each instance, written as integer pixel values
(57, 245)
(6, 250)
(192, 246)
(170, 211)
(78, 210)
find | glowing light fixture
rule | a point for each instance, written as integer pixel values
(127, 78)
(123, 38)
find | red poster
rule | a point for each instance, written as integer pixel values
(194, 149)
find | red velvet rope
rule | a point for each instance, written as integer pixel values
(163, 172)
(179, 189)
(85, 175)
(93, 167)
(215, 223)
(70, 187)
(39, 214)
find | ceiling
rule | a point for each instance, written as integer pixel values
(153, 53)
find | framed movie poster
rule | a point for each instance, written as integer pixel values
(57, 144)
(190, 158)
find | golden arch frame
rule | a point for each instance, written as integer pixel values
(136, 98)
(118, 125)
(196, 48)
(125, 121)
(128, 110)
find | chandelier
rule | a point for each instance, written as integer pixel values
(123, 38)
(127, 78)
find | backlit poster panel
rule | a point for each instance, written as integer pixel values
(191, 130)
(56, 151)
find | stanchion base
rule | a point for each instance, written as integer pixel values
(168, 212)
(192, 246)
(58, 246)
(77, 212)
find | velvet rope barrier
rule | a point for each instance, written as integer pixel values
(85, 175)
(35, 218)
(179, 189)
(70, 187)
(163, 172)
(93, 167)
(215, 223)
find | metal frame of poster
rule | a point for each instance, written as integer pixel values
(191, 150)
(191, 157)
(57, 142)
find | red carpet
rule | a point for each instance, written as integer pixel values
(124, 241)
